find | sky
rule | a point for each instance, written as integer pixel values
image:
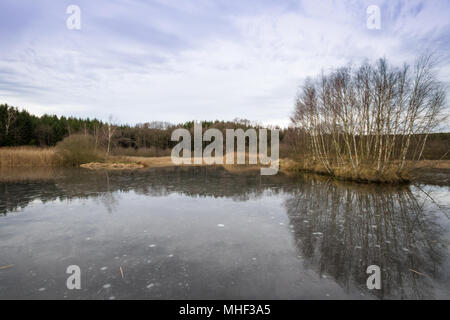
(174, 60)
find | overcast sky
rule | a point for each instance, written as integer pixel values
(178, 60)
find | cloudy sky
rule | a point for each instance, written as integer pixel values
(178, 60)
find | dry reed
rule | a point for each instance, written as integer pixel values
(28, 157)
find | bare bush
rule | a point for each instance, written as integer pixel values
(78, 149)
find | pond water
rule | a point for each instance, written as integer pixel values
(205, 233)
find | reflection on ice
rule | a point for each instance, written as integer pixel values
(363, 225)
(205, 233)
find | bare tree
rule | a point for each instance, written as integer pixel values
(110, 130)
(367, 118)
(10, 119)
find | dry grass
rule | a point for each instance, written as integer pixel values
(413, 171)
(289, 166)
(432, 164)
(131, 163)
(151, 161)
(111, 166)
(363, 174)
(28, 157)
(159, 161)
(167, 162)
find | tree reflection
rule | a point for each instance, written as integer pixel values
(339, 229)
(108, 197)
(190, 181)
(342, 229)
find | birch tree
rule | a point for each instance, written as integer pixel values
(367, 117)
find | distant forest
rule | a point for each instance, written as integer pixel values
(20, 128)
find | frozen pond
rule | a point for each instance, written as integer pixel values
(204, 233)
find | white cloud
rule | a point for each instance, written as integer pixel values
(252, 71)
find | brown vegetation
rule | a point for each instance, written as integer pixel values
(72, 151)
(111, 166)
(78, 149)
(364, 173)
(28, 157)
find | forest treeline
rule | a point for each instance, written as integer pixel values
(20, 128)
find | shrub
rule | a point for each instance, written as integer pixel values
(78, 149)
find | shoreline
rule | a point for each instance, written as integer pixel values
(432, 172)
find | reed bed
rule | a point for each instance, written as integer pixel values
(28, 157)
